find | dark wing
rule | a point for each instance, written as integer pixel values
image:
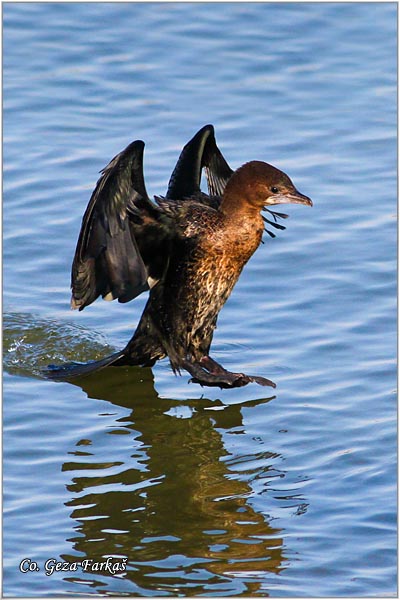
(201, 151)
(107, 260)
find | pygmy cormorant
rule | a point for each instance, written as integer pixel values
(187, 248)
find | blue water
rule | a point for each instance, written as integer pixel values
(254, 492)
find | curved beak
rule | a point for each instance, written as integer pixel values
(292, 197)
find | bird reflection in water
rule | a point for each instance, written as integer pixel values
(170, 504)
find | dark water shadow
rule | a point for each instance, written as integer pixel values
(181, 516)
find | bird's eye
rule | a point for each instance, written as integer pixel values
(274, 190)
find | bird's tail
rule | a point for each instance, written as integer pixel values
(73, 369)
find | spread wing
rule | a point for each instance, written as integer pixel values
(107, 260)
(124, 240)
(200, 152)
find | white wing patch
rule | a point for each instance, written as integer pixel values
(152, 282)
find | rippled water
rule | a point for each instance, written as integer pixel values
(205, 492)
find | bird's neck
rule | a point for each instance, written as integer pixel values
(243, 229)
(236, 210)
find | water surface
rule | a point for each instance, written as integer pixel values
(255, 492)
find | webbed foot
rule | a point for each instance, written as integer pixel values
(208, 372)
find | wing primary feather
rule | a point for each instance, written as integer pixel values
(107, 260)
(200, 152)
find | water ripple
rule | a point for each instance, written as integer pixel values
(205, 492)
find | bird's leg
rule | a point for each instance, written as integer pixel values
(208, 372)
(211, 365)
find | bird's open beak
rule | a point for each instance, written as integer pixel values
(290, 198)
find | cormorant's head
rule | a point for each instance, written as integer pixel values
(261, 185)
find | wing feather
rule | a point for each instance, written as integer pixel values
(200, 152)
(107, 260)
